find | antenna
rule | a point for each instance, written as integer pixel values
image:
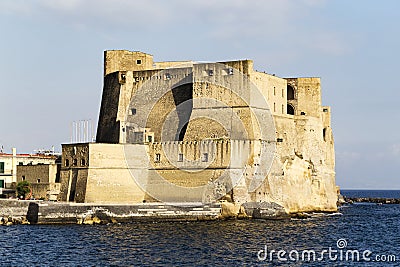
(82, 131)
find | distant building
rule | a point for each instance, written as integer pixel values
(43, 179)
(9, 163)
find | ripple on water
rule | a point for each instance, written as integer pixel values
(210, 243)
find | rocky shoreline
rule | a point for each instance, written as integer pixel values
(371, 200)
(38, 212)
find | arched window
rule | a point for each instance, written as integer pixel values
(290, 92)
(290, 109)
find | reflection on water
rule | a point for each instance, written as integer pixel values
(214, 243)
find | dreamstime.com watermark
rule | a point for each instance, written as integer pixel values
(338, 253)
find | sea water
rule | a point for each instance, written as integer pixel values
(356, 228)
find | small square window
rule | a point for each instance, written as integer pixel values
(138, 61)
(132, 111)
(210, 72)
(38, 180)
(157, 158)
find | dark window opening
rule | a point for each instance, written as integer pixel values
(74, 162)
(279, 140)
(150, 139)
(83, 162)
(290, 92)
(158, 158)
(325, 110)
(210, 72)
(67, 163)
(302, 113)
(23, 178)
(138, 61)
(290, 110)
(324, 134)
(38, 180)
(133, 111)
(1, 167)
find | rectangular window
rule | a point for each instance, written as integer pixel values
(157, 158)
(1, 167)
(204, 157)
(1, 183)
(138, 61)
(274, 107)
(180, 157)
(23, 178)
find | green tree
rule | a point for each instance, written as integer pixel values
(23, 189)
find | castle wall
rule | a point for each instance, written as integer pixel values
(123, 60)
(108, 128)
(273, 89)
(106, 179)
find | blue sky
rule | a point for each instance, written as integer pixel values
(52, 56)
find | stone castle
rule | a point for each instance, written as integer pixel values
(204, 132)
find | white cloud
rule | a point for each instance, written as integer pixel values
(12, 7)
(395, 150)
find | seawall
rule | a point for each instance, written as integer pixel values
(41, 212)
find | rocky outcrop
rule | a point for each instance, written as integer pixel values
(265, 210)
